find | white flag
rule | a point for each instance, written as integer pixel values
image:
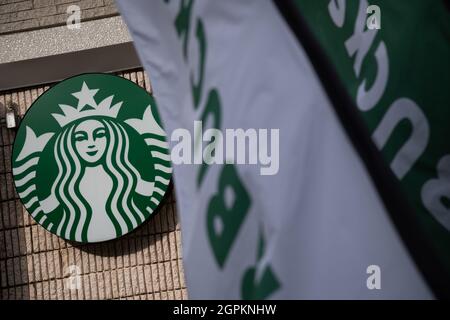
(312, 226)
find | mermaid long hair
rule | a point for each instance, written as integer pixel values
(121, 208)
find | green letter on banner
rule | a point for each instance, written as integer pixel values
(225, 219)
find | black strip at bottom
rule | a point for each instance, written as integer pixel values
(387, 185)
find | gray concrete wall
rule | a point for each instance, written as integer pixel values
(23, 15)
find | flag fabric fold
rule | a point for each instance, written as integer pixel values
(317, 228)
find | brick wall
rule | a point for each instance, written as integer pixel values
(22, 15)
(34, 264)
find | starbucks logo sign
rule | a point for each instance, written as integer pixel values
(90, 159)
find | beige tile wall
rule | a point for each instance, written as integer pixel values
(34, 264)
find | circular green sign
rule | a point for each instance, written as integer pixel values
(90, 159)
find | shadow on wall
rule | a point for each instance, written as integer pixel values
(35, 264)
(13, 261)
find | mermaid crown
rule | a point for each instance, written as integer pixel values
(86, 97)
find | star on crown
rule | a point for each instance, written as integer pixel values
(86, 97)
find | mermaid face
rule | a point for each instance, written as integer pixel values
(90, 140)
